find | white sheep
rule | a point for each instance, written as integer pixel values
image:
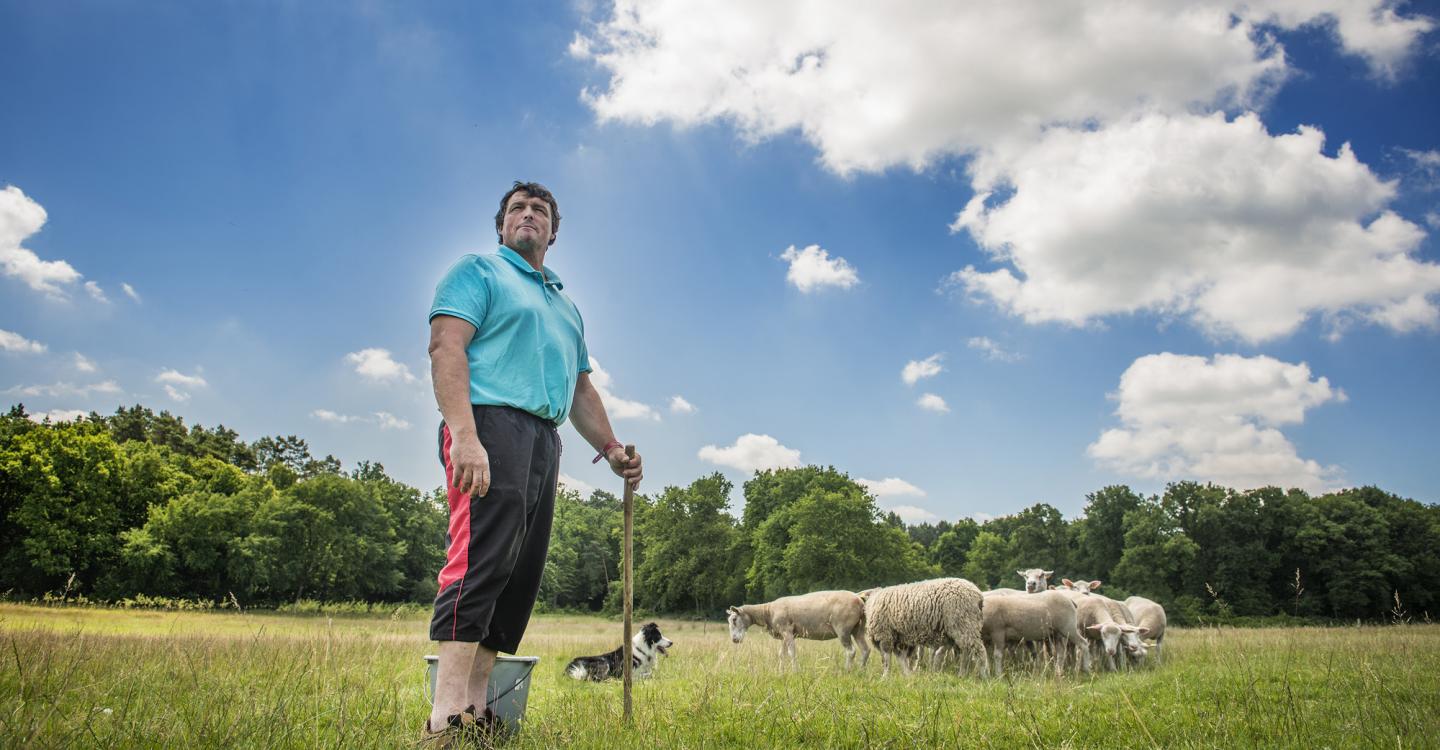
(1151, 616)
(1108, 626)
(1001, 592)
(936, 613)
(1036, 579)
(818, 616)
(1042, 617)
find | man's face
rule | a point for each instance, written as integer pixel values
(527, 223)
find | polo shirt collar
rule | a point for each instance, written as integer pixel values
(524, 265)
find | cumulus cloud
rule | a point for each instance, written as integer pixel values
(873, 85)
(57, 415)
(130, 291)
(21, 217)
(751, 453)
(575, 484)
(918, 369)
(616, 407)
(991, 350)
(96, 293)
(65, 389)
(174, 381)
(14, 342)
(1216, 420)
(813, 268)
(84, 364)
(678, 405)
(175, 377)
(913, 514)
(384, 420)
(377, 366)
(891, 487)
(1246, 234)
(932, 402)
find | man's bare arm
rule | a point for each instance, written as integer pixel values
(587, 413)
(450, 371)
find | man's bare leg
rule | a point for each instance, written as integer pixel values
(452, 680)
(480, 679)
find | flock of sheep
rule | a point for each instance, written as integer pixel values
(953, 615)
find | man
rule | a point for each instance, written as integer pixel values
(508, 358)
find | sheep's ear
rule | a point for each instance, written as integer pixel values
(1142, 631)
(1094, 585)
(1095, 627)
(733, 611)
(1067, 582)
(1053, 587)
(1049, 573)
(1020, 573)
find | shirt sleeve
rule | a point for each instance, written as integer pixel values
(584, 350)
(464, 292)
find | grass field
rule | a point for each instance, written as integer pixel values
(114, 678)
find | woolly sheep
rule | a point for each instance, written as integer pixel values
(938, 612)
(818, 616)
(1107, 626)
(1149, 615)
(1039, 618)
(1036, 579)
(1001, 592)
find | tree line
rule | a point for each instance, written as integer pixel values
(136, 503)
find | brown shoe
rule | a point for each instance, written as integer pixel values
(458, 728)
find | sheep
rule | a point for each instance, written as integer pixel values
(1083, 587)
(1108, 626)
(937, 612)
(1001, 592)
(1036, 579)
(818, 616)
(1149, 615)
(1037, 617)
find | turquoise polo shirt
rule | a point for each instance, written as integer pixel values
(529, 345)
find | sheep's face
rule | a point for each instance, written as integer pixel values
(1083, 587)
(1133, 639)
(739, 623)
(1110, 635)
(1036, 579)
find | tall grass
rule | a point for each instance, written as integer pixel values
(116, 678)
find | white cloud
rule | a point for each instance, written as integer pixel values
(982, 517)
(14, 342)
(912, 514)
(376, 365)
(812, 268)
(874, 85)
(174, 377)
(1216, 420)
(678, 405)
(932, 402)
(65, 390)
(752, 453)
(575, 484)
(96, 292)
(1246, 234)
(915, 370)
(84, 364)
(176, 393)
(616, 407)
(891, 487)
(384, 420)
(991, 350)
(130, 291)
(21, 217)
(57, 415)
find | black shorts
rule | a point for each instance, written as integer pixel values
(495, 549)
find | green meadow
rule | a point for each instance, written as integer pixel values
(83, 677)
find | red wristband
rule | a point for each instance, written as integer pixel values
(606, 449)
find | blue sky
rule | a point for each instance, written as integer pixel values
(1108, 243)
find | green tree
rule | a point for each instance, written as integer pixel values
(688, 541)
(989, 561)
(952, 549)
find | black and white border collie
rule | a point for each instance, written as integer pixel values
(648, 646)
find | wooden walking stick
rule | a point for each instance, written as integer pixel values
(627, 561)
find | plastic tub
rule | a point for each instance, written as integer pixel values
(508, 689)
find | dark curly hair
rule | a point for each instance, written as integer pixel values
(534, 190)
